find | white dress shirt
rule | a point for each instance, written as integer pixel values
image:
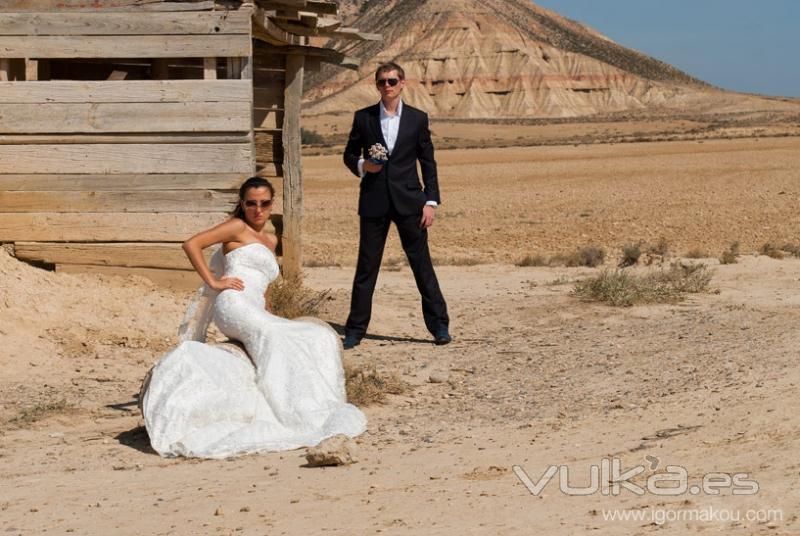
(390, 126)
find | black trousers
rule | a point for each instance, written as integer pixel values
(370, 252)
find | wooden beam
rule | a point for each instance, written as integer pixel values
(167, 255)
(191, 23)
(122, 182)
(132, 46)
(5, 69)
(67, 91)
(119, 201)
(125, 158)
(126, 137)
(93, 6)
(292, 171)
(105, 227)
(125, 117)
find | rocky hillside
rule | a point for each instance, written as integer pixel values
(498, 59)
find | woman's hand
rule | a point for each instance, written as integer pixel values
(225, 283)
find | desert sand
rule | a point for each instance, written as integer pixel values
(534, 377)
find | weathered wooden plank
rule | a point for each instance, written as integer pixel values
(201, 23)
(118, 201)
(133, 46)
(105, 227)
(127, 117)
(65, 91)
(132, 255)
(5, 69)
(124, 182)
(31, 69)
(106, 6)
(126, 158)
(180, 280)
(292, 173)
(198, 137)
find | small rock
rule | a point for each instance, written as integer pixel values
(336, 450)
(244, 509)
(219, 512)
(436, 377)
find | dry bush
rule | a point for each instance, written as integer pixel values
(730, 255)
(590, 256)
(620, 288)
(630, 255)
(456, 261)
(660, 248)
(289, 298)
(533, 260)
(771, 250)
(370, 387)
(41, 410)
(793, 249)
(697, 253)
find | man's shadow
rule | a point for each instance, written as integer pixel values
(340, 330)
(135, 438)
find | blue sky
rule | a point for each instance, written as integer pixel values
(742, 45)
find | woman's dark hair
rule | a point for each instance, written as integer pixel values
(252, 182)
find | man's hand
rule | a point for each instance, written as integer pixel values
(372, 167)
(428, 215)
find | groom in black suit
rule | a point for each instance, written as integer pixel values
(391, 192)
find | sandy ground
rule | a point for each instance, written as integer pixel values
(534, 377)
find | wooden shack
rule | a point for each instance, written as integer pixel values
(127, 125)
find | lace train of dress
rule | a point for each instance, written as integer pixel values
(203, 401)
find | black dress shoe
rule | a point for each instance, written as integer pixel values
(442, 336)
(351, 341)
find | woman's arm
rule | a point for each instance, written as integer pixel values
(228, 231)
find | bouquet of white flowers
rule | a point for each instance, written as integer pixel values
(378, 154)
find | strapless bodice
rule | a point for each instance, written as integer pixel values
(254, 264)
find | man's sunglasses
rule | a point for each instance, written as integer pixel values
(391, 81)
(266, 203)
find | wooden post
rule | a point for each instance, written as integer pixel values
(31, 69)
(292, 176)
(210, 68)
(5, 69)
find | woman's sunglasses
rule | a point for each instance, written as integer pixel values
(391, 81)
(266, 203)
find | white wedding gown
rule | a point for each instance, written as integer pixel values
(203, 401)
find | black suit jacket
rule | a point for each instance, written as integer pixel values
(398, 181)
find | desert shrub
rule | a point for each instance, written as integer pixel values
(456, 261)
(311, 137)
(622, 288)
(590, 256)
(291, 299)
(696, 253)
(41, 410)
(771, 250)
(365, 387)
(630, 255)
(793, 249)
(533, 260)
(730, 255)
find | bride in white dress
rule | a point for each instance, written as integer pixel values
(203, 401)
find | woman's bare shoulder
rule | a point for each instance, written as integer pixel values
(271, 240)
